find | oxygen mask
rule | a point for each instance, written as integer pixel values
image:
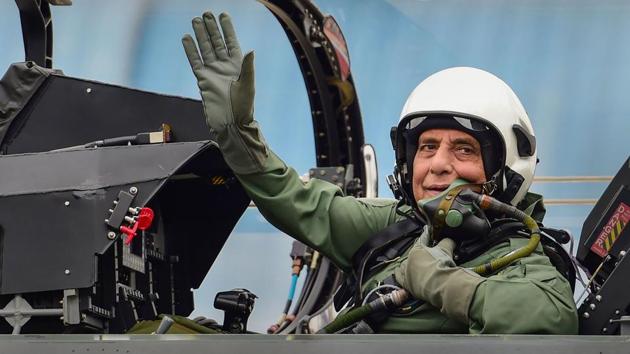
(455, 213)
(458, 213)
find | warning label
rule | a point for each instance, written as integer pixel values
(611, 231)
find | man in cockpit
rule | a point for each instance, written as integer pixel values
(458, 124)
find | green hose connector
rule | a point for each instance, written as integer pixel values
(390, 301)
(347, 319)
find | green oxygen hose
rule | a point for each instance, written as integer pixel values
(398, 297)
(390, 301)
(488, 203)
(347, 319)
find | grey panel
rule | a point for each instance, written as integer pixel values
(53, 208)
(314, 344)
(91, 169)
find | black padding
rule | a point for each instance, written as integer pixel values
(525, 142)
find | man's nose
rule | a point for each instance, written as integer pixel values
(442, 161)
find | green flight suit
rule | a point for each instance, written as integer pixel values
(529, 296)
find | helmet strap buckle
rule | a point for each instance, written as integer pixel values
(490, 186)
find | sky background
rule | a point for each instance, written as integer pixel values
(567, 60)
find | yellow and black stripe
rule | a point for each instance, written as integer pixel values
(614, 234)
(217, 180)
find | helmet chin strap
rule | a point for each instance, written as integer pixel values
(513, 183)
(419, 215)
(494, 183)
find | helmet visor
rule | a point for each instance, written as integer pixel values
(436, 122)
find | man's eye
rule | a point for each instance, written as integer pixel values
(427, 147)
(468, 150)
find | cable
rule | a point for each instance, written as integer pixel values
(592, 278)
(577, 267)
(383, 303)
(304, 294)
(294, 279)
(380, 287)
(162, 136)
(310, 301)
(296, 269)
(308, 283)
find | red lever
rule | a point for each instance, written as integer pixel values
(145, 218)
(143, 222)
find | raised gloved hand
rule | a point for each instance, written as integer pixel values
(226, 84)
(430, 274)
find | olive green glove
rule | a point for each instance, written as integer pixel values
(226, 84)
(430, 274)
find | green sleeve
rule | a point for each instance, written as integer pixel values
(528, 297)
(316, 213)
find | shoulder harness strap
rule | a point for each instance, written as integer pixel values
(397, 236)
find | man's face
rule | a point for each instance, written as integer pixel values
(444, 155)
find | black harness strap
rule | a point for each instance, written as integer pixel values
(375, 250)
(392, 252)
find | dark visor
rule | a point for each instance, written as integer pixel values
(466, 123)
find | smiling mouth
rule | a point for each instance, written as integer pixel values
(436, 189)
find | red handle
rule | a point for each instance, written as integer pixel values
(144, 221)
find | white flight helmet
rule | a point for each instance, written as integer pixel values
(481, 104)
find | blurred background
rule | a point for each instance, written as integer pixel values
(567, 60)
